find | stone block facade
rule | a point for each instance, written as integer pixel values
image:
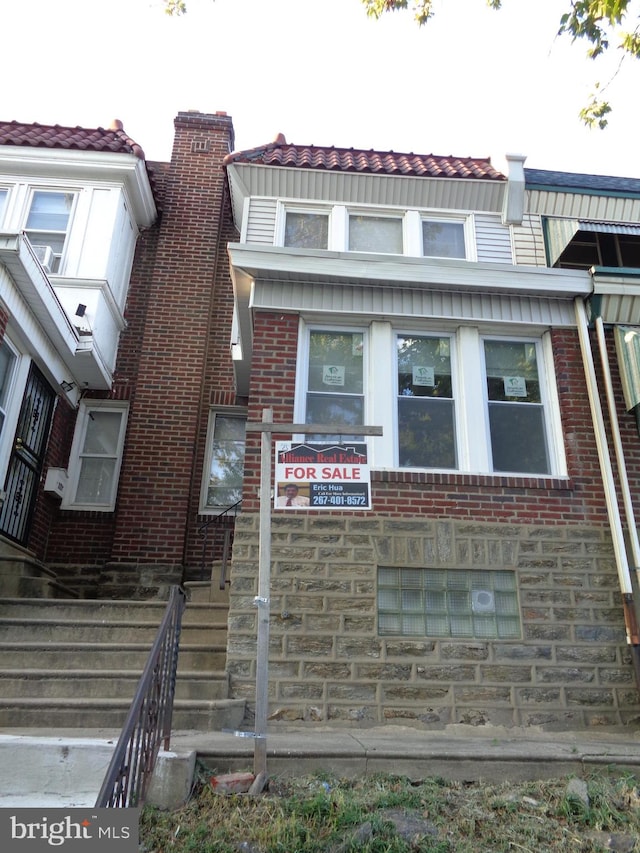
(328, 664)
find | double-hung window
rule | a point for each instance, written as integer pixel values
(335, 378)
(454, 401)
(426, 414)
(224, 464)
(516, 413)
(96, 456)
(47, 225)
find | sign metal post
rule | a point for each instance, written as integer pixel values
(266, 427)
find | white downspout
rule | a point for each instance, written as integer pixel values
(617, 444)
(613, 511)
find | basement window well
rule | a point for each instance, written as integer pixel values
(448, 603)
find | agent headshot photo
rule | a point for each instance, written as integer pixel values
(291, 496)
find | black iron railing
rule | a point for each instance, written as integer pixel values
(149, 719)
(217, 535)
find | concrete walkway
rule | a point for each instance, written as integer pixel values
(458, 753)
(66, 769)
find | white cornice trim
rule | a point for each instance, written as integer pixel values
(274, 263)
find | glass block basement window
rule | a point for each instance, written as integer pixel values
(448, 603)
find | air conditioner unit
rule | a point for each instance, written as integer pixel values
(483, 601)
(46, 257)
(55, 482)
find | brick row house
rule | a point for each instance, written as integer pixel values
(486, 322)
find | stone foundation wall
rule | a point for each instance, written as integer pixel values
(570, 669)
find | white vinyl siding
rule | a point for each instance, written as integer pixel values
(493, 240)
(528, 242)
(261, 222)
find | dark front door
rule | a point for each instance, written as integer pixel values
(27, 457)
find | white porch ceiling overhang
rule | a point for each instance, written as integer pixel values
(560, 232)
(616, 295)
(364, 285)
(42, 323)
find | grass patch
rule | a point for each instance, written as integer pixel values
(392, 814)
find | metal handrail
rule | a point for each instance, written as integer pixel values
(149, 718)
(219, 522)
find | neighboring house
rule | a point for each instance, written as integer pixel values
(122, 344)
(486, 322)
(72, 203)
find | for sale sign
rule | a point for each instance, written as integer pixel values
(322, 476)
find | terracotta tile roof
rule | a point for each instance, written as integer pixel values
(279, 153)
(113, 138)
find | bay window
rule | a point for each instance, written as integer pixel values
(455, 401)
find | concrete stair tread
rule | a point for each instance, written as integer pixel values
(105, 702)
(34, 672)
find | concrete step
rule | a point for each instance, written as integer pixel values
(96, 631)
(102, 610)
(112, 684)
(76, 663)
(22, 655)
(75, 713)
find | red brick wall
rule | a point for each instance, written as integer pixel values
(517, 500)
(159, 470)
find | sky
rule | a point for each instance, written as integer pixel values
(472, 83)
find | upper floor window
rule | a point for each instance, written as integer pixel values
(96, 455)
(375, 234)
(306, 230)
(224, 464)
(47, 225)
(463, 401)
(3, 201)
(443, 239)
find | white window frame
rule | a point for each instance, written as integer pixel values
(4, 202)
(281, 221)
(412, 219)
(383, 213)
(239, 412)
(75, 457)
(468, 230)
(302, 375)
(60, 256)
(471, 411)
(15, 392)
